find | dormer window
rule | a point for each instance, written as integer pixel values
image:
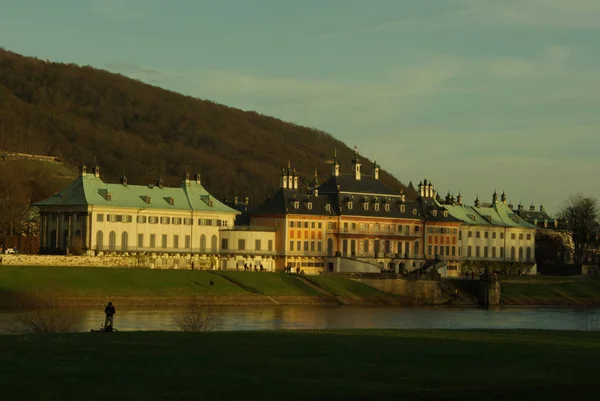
(402, 208)
(434, 213)
(415, 212)
(296, 204)
(108, 196)
(387, 207)
(309, 205)
(328, 207)
(170, 200)
(350, 205)
(146, 199)
(376, 207)
(445, 213)
(366, 205)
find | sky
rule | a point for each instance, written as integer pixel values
(474, 95)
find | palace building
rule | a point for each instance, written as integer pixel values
(101, 218)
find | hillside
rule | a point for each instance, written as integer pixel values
(85, 114)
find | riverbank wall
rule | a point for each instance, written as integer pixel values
(175, 261)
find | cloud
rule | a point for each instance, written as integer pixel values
(574, 14)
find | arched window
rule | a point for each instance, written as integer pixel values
(203, 243)
(520, 253)
(529, 254)
(512, 253)
(99, 240)
(124, 240)
(416, 249)
(213, 244)
(112, 241)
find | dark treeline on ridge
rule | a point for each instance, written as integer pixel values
(82, 114)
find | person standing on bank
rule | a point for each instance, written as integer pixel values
(109, 311)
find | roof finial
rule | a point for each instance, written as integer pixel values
(315, 172)
(289, 163)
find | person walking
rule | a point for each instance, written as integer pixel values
(109, 311)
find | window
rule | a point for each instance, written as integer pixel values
(350, 205)
(313, 224)
(460, 235)
(513, 236)
(415, 212)
(165, 220)
(241, 244)
(177, 220)
(429, 250)
(291, 245)
(477, 234)
(188, 242)
(501, 251)
(328, 207)
(366, 205)
(353, 226)
(309, 205)
(417, 229)
(164, 240)
(100, 217)
(224, 223)
(188, 221)
(528, 237)
(312, 246)
(224, 243)
(257, 244)
(485, 251)
(387, 207)
(296, 204)
(476, 251)
(470, 235)
(176, 241)
(298, 246)
(305, 246)
(434, 212)
(493, 235)
(345, 227)
(270, 245)
(142, 219)
(402, 208)
(292, 223)
(152, 241)
(306, 224)
(319, 225)
(376, 207)
(493, 252)
(140, 241)
(520, 236)
(501, 235)
(469, 253)
(127, 218)
(152, 219)
(485, 234)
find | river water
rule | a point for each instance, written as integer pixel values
(349, 317)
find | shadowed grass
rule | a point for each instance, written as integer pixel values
(312, 365)
(556, 291)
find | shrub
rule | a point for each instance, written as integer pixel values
(201, 314)
(46, 316)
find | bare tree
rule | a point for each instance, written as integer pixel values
(581, 217)
(46, 315)
(200, 314)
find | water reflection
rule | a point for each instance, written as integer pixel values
(346, 317)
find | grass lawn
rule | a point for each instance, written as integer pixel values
(272, 284)
(302, 365)
(98, 281)
(343, 287)
(558, 291)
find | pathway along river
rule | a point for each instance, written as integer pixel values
(348, 317)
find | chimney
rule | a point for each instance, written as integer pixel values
(82, 170)
(123, 180)
(185, 178)
(198, 180)
(159, 182)
(97, 171)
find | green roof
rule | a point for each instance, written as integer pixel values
(496, 215)
(89, 190)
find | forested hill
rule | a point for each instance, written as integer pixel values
(132, 128)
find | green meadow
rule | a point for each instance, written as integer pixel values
(302, 365)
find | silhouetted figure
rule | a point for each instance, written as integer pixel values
(192, 265)
(109, 311)
(212, 284)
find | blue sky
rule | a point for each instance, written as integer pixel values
(475, 95)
